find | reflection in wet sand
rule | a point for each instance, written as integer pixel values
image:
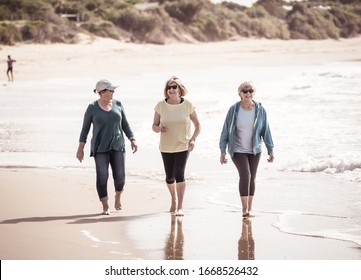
(246, 242)
(173, 249)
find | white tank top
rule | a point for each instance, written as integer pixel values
(244, 126)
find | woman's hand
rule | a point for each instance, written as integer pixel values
(163, 128)
(191, 144)
(80, 155)
(223, 159)
(134, 145)
(80, 152)
(159, 128)
(270, 157)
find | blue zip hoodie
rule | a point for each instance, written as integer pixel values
(261, 130)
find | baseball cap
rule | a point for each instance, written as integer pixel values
(104, 84)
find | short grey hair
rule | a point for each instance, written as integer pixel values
(246, 85)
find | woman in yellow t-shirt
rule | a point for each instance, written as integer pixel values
(172, 119)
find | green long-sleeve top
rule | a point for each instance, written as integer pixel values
(108, 128)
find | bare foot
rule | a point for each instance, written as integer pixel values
(105, 207)
(173, 207)
(117, 204)
(106, 212)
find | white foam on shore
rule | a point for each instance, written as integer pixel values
(313, 225)
(95, 239)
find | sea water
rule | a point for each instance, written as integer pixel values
(313, 111)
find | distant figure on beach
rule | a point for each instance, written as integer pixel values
(107, 145)
(172, 119)
(244, 130)
(9, 71)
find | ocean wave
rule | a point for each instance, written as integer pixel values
(338, 167)
(321, 226)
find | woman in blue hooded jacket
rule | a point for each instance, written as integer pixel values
(244, 130)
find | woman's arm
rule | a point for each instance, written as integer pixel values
(80, 151)
(197, 130)
(87, 121)
(157, 127)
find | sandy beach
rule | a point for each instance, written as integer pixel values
(54, 225)
(88, 58)
(53, 213)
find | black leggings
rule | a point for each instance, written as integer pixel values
(247, 165)
(174, 166)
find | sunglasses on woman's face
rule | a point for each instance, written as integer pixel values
(173, 87)
(112, 91)
(247, 90)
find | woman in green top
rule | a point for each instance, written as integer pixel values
(172, 119)
(107, 144)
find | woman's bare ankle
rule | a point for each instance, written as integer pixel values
(105, 206)
(117, 203)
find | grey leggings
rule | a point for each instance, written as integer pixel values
(116, 160)
(246, 165)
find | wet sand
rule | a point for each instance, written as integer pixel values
(52, 214)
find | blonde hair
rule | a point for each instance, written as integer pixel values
(182, 89)
(246, 85)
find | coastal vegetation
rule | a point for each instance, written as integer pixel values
(166, 21)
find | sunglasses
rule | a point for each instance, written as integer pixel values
(173, 87)
(247, 90)
(112, 91)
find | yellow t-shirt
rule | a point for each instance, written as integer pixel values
(177, 119)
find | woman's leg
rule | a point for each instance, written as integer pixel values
(179, 166)
(102, 173)
(117, 201)
(181, 187)
(253, 161)
(117, 162)
(242, 165)
(173, 194)
(168, 162)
